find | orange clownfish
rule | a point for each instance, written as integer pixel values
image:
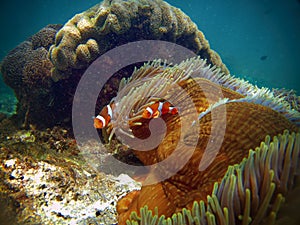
(104, 117)
(158, 109)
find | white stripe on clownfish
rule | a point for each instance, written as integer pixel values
(109, 111)
(149, 110)
(104, 117)
(160, 106)
(158, 109)
(173, 110)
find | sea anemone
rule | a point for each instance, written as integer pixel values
(213, 109)
(250, 192)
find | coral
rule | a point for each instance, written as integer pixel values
(27, 69)
(45, 37)
(235, 199)
(251, 115)
(13, 64)
(111, 23)
(37, 71)
(29, 61)
(73, 47)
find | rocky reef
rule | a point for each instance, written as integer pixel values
(45, 69)
(46, 178)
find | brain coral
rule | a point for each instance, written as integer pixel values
(72, 48)
(29, 58)
(114, 22)
(45, 37)
(37, 71)
(27, 69)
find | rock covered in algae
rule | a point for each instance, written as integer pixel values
(64, 196)
(111, 23)
(44, 181)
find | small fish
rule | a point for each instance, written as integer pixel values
(158, 109)
(104, 117)
(155, 110)
(264, 57)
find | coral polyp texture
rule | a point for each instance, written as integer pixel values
(111, 23)
(34, 50)
(27, 69)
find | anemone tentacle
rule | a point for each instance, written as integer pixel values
(237, 186)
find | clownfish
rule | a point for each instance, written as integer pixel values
(158, 109)
(155, 110)
(104, 117)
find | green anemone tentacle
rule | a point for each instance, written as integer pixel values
(251, 192)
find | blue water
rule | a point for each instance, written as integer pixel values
(257, 39)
